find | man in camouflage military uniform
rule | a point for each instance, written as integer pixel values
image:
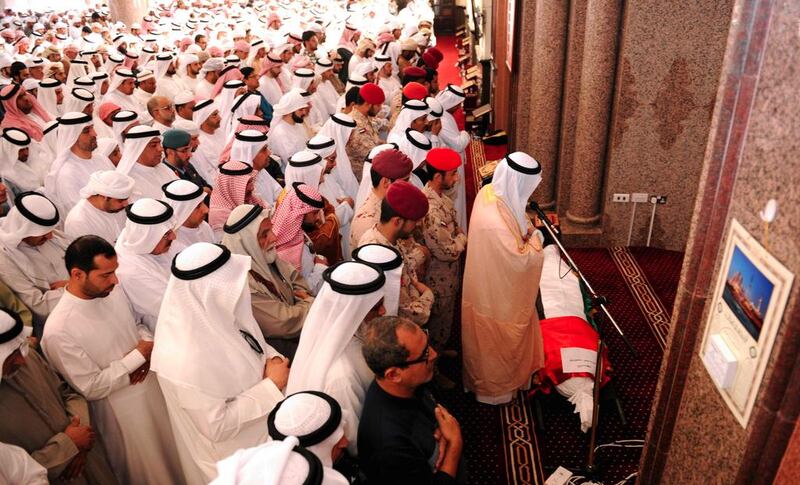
(386, 167)
(365, 135)
(402, 207)
(446, 241)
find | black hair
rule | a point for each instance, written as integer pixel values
(430, 74)
(375, 177)
(353, 96)
(246, 71)
(431, 171)
(17, 67)
(199, 36)
(307, 35)
(387, 212)
(82, 251)
(381, 348)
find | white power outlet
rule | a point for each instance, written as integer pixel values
(639, 197)
(621, 198)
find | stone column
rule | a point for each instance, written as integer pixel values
(594, 110)
(128, 11)
(547, 79)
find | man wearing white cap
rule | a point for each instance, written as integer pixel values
(288, 134)
(276, 463)
(50, 420)
(208, 75)
(141, 160)
(184, 102)
(107, 361)
(101, 210)
(212, 139)
(143, 247)
(32, 254)
(76, 160)
(329, 356)
(219, 377)
(500, 332)
(121, 90)
(188, 69)
(188, 203)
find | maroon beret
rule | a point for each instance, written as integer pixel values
(430, 61)
(443, 159)
(407, 201)
(414, 71)
(436, 53)
(372, 94)
(392, 164)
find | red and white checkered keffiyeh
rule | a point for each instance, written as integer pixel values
(229, 194)
(287, 224)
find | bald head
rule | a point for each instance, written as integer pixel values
(161, 109)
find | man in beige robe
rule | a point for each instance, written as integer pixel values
(500, 334)
(279, 295)
(50, 421)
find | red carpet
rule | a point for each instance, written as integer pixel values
(449, 72)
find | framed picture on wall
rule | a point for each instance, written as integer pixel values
(746, 310)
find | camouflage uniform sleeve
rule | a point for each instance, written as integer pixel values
(414, 306)
(360, 144)
(440, 240)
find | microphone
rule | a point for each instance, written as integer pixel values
(545, 220)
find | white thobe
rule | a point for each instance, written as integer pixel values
(457, 140)
(266, 188)
(209, 428)
(189, 235)
(92, 343)
(149, 180)
(287, 139)
(18, 467)
(187, 83)
(102, 129)
(311, 271)
(347, 381)
(144, 279)
(206, 158)
(168, 87)
(328, 95)
(29, 271)
(270, 89)
(72, 177)
(85, 219)
(126, 102)
(159, 126)
(203, 89)
(389, 85)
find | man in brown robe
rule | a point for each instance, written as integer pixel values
(44, 416)
(279, 295)
(500, 333)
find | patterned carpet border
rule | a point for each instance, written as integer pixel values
(522, 458)
(649, 303)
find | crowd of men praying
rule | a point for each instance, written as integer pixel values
(234, 244)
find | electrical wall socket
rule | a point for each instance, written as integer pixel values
(621, 198)
(639, 197)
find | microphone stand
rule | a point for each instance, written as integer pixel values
(597, 302)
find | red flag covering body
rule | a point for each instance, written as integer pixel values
(567, 332)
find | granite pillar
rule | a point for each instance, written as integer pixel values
(750, 157)
(544, 37)
(594, 110)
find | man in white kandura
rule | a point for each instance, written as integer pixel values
(219, 377)
(94, 341)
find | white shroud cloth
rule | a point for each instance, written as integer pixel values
(212, 377)
(92, 343)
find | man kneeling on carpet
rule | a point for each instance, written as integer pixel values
(404, 436)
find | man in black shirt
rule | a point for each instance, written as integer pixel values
(404, 436)
(177, 153)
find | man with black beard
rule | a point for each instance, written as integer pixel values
(287, 134)
(365, 136)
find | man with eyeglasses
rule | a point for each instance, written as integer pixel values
(162, 111)
(404, 436)
(177, 154)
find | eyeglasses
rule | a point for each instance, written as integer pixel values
(169, 106)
